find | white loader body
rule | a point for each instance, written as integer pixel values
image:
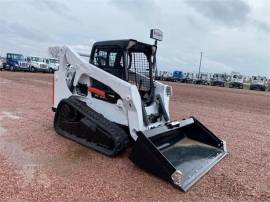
(102, 103)
(128, 110)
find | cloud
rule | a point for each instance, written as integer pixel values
(13, 29)
(214, 66)
(261, 25)
(147, 11)
(58, 7)
(232, 34)
(231, 13)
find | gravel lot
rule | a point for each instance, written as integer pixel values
(36, 164)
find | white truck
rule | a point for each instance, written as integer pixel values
(166, 75)
(258, 83)
(37, 64)
(188, 77)
(218, 80)
(236, 81)
(53, 64)
(202, 78)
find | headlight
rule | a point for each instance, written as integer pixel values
(16, 65)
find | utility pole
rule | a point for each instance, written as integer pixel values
(200, 66)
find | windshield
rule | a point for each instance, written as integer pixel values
(53, 61)
(237, 76)
(17, 57)
(37, 59)
(219, 75)
(256, 78)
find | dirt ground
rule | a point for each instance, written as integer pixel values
(38, 165)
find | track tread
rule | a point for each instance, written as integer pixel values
(117, 134)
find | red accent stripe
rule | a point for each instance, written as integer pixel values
(97, 91)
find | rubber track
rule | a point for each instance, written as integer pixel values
(117, 134)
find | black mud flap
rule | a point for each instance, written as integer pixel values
(180, 152)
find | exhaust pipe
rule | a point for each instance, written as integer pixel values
(180, 152)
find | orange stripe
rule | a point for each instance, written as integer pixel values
(97, 91)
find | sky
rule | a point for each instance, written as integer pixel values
(234, 35)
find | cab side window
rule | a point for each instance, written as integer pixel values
(100, 58)
(116, 59)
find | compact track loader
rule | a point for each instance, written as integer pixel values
(112, 102)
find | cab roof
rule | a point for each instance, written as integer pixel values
(126, 44)
(122, 43)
